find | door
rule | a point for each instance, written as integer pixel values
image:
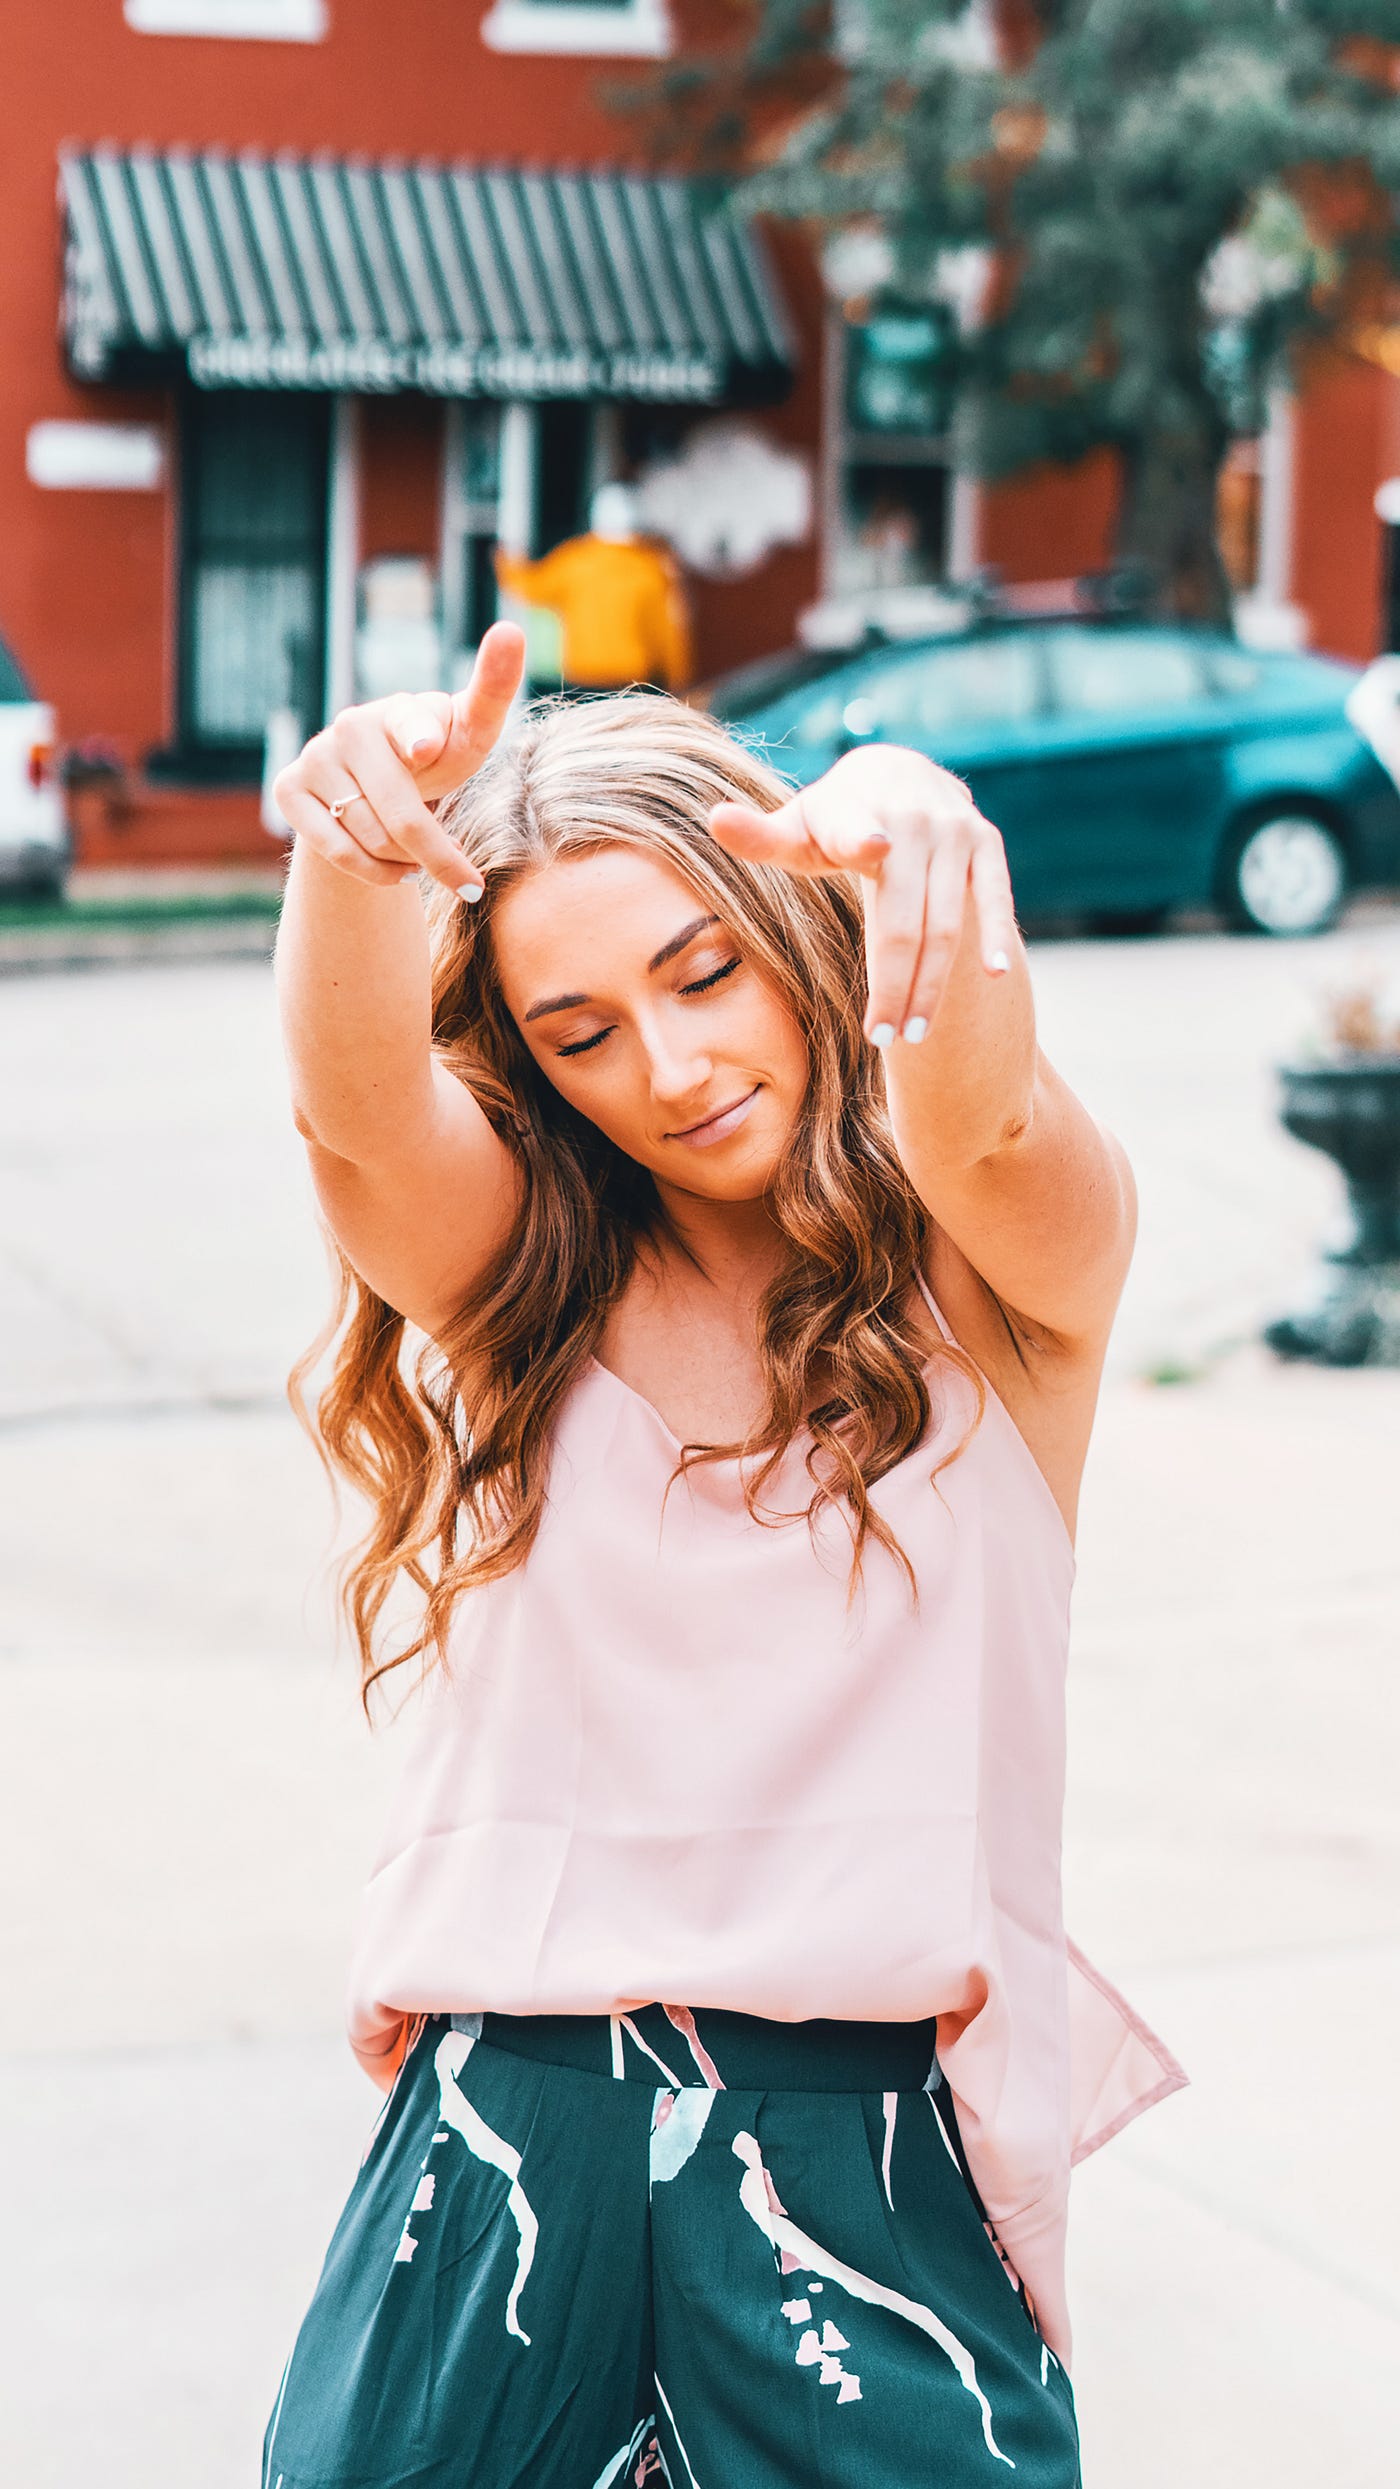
(1132, 763)
(254, 472)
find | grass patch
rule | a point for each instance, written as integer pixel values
(73, 915)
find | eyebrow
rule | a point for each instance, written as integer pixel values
(668, 951)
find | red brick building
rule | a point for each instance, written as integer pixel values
(306, 304)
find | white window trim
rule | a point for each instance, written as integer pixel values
(257, 21)
(964, 557)
(1265, 615)
(970, 40)
(640, 31)
(1276, 459)
(82, 456)
(342, 553)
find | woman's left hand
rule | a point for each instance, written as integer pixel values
(914, 833)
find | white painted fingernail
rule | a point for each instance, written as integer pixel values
(882, 1033)
(422, 732)
(998, 963)
(472, 891)
(915, 1031)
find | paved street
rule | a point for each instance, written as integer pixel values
(189, 1797)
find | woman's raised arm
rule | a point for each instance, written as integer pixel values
(415, 1185)
(1035, 1195)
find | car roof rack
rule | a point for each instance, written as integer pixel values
(1119, 589)
(1122, 591)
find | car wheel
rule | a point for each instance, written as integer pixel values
(1284, 872)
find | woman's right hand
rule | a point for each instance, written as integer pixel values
(382, 764)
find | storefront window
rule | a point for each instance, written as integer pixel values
(896, 520)
(895, 470)
(565, 436)
(529, 497)
(472, 525)
(899, 372)
(253, 571)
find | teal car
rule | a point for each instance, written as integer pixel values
(1133, 768)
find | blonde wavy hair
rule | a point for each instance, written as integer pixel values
(452, 1456)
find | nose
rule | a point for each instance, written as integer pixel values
(680, 1069)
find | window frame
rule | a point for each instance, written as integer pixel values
(246, 21)
(636, 29)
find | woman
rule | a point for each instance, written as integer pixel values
(735, 2054)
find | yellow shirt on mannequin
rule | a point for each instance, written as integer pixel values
(621, 605)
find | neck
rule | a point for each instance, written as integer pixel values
(736, 1245)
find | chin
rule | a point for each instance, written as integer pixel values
(746, 1181)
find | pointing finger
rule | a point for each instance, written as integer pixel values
(996, 907)
(895, 916)
(785, 838)
(945, 901)
(477, 715)
(394, 797)
(313, 822)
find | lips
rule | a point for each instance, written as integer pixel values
(721, 1115)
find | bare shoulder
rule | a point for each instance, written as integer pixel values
(1049, 1386)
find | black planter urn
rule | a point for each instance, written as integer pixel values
(1349, 1107)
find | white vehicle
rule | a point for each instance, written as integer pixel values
(35, 842)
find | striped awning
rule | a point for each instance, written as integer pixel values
(287, 272)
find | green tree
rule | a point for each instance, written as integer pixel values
(1175, 199)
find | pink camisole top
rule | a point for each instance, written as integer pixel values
(668, 1763)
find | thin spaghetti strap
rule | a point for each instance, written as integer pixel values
(934, 1308)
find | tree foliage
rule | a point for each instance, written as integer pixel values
(1174, 199)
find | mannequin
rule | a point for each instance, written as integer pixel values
(619, 597)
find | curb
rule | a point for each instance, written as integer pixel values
(188, 941)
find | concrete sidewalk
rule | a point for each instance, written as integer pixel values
(134, 918)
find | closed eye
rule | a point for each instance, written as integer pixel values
(712, 979)
(585, 1045)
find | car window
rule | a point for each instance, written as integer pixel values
(1278, 677)
(1100, 672)
(822, 718)
(1235, 672)
(751, 687)
(939, 693)
(12, 683)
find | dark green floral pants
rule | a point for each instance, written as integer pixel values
(670, 2249)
